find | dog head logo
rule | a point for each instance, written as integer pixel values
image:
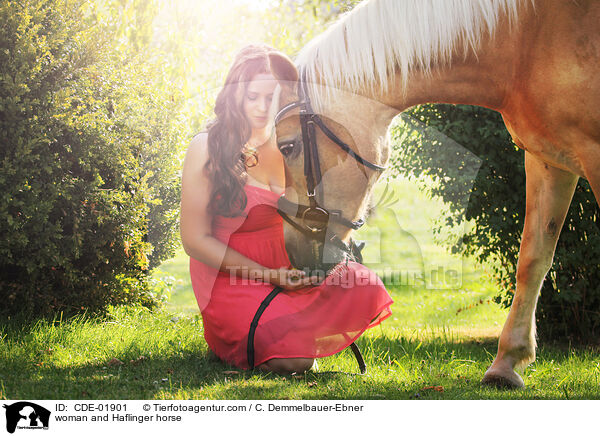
(26, 415)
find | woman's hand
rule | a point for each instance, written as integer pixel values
(291, 279)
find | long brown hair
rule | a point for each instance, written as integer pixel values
(230, 130)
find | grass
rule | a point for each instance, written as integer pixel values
(437, 345)
(162, 355)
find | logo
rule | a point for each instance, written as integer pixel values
(26, 415)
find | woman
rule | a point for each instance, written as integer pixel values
(232, 178)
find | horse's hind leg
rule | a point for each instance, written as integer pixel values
(549, 193)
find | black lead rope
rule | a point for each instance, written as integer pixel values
(250, 349)
(265, 303)
(362, 366)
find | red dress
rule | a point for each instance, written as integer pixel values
(312, 322)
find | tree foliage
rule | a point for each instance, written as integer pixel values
(469, 154)
(88, 175)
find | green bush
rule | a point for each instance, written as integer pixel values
(88, 182)
(460, 147)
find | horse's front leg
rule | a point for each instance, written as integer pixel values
(549, 193)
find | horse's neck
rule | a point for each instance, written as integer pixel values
(483, 78)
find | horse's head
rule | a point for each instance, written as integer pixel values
(318, 228)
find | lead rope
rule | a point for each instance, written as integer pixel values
(250, 348)
(265, 303)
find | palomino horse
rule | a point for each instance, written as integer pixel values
(536, 62)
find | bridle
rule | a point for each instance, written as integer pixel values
(316, 212)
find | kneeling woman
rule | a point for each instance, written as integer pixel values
(233, 176)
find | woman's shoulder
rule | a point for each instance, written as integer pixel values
(198, 149)
(200, 140)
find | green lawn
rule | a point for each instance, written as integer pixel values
(436, 345)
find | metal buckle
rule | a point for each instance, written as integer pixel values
(322, 212)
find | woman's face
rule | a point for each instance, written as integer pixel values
(257, 100)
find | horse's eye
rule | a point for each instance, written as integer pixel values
(286, 148)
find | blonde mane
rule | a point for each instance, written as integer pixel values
(378, 38)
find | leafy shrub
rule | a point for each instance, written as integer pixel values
(88, 176)
(446, 143)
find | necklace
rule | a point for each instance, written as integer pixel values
(249, 156)
(250, 152)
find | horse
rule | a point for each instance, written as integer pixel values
(535, 62)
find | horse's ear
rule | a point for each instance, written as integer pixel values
(283, 68)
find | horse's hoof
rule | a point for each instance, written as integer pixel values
(506, 380)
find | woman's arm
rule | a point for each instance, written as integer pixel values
(196, 221)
